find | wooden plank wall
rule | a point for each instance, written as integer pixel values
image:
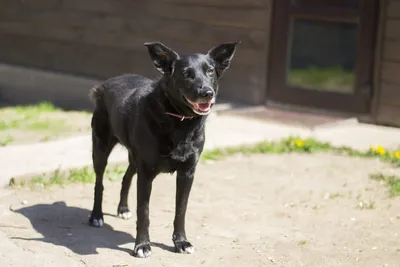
(388, 111)
(102, 38)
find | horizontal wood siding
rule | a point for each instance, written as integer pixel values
(388, 111)
(103, 38)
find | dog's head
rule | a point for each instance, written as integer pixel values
(193, 79)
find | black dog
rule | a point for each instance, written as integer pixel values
(161, 123)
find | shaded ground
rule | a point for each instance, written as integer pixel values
(263, 210)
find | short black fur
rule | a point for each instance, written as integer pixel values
(162, 125)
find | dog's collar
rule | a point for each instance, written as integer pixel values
(182, 117)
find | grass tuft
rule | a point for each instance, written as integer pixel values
(392, 181)
(302, 243)
(7, 140)
(41, 122)
(298, 145)
(83, 175)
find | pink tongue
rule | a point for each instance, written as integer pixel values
(204, 106)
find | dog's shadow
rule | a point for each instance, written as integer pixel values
(68, 227)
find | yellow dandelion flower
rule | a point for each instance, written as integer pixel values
(299, 143)
(397, 154)
(380, 150)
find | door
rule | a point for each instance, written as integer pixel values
(322, 53)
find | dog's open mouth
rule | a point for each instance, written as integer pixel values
(202, 108)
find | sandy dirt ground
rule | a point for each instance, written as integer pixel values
(275, 210)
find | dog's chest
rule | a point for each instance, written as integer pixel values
(177, 147)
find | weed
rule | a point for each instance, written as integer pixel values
(83, 175)
(369, 205)
(298, 145)
(7, 140)
(302, 243)
(392, 181)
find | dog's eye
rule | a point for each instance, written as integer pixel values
(210, 72)
(188, 73)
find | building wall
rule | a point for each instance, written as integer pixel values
(388, 106)
(103, 38)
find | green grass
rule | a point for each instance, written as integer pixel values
(26, 117)
(327, 79)
(391, 181)
(6, 140)
(302, 243)
(298, 145)
(286, 145)
(83, 175)
(38, 123)
(39, 108)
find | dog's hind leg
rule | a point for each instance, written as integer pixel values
(123, 208)
(103, 143)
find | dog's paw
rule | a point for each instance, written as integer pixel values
(124, 213)
(142, 251)
(96, 221)
(184, 247)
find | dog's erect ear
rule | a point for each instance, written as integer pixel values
(162, 57)
(222, 55)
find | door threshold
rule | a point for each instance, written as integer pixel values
(313, 110)
(303, 117)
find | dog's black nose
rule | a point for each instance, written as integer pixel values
(207, 93)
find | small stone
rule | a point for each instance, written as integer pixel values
(374, 248)
(24, 202)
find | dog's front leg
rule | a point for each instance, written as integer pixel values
(144, 185)
(184, 181)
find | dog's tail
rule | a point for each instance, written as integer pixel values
(95, 93)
